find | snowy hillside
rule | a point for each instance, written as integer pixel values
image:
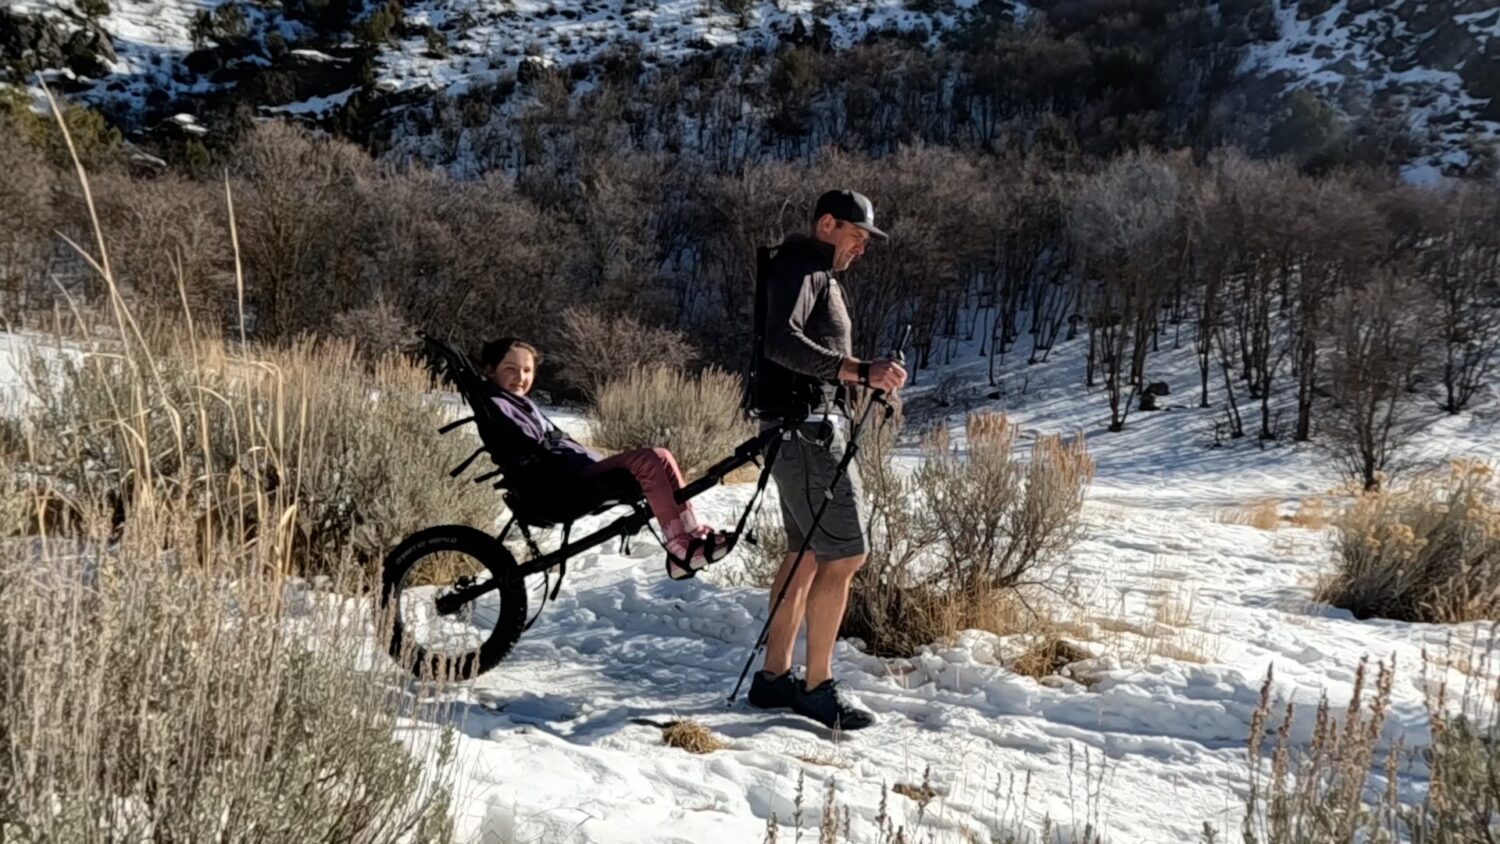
(1429, 58)
(1437, 62)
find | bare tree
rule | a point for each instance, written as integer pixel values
(1461, 271)
(1122, 224)
(1334, 235)
(299, 215)
(1375, 348)
(26, 187)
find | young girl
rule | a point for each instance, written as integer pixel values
(510, 364)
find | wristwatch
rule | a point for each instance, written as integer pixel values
(864, 373)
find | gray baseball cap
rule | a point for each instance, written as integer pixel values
(850, 207)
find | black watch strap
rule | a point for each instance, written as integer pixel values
(864, 373)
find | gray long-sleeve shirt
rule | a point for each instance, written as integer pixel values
(807, 332)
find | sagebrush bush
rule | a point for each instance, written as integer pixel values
(151, 689)
(999, 518)
(359, 449)
(697, 417)
(1428, 551)
(952, 543)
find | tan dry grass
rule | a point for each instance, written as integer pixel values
(691, 736)
(1262, 515)
(1426, 551)
(1047, 657)
(1312, 513)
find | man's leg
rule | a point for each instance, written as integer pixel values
(781, 639)
(827, 599)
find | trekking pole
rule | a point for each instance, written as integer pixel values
(878, 397)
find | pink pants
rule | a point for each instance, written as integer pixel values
(656, 471)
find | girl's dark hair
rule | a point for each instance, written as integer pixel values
(495, 351)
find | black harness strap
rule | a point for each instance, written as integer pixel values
(468, 461)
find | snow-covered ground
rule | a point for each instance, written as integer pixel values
(554, 744)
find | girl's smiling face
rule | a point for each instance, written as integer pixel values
(515, 372)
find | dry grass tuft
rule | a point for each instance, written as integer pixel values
(1174, 606)
(691, 736)
(1262, 515)
(1168, 650)
(822, 760)
(919, 793)
(1047, 657)
(1336, 786)
(1312, 514)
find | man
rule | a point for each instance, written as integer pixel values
(804, 369)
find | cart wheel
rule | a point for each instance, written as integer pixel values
(465, 640)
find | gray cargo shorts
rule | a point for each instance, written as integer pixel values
(803, 469)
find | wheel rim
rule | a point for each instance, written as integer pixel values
(434, 644)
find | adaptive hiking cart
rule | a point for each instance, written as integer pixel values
(455, 598)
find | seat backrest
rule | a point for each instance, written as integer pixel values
(507, 447)
(532, 493)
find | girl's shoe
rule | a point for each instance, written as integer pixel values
(689, 552)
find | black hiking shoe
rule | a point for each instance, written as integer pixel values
(827, 705)
(772, 692)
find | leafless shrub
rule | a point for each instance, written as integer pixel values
(598, 348)
(298, 209)
(954, 545)
(169, 244)
(26, 192)
(755, 565)
(999, 519)
(377, 330)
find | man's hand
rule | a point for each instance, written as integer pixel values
(887, 375)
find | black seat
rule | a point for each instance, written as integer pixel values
(535, 496)
(545, 504)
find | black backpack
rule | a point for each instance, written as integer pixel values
(763, 255)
